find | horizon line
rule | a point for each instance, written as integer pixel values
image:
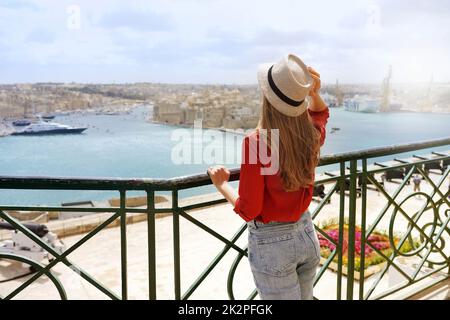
(206, 83)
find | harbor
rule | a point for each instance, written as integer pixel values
(117, 136)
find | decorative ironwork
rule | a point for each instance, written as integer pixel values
(349, 185)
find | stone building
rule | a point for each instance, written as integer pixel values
(213, 117)
(168, 112)
(190, 115)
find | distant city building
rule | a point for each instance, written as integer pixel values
(227, 106)
(168, 112)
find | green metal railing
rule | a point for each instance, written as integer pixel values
(354, 175)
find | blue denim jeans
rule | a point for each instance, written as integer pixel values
(284, 258)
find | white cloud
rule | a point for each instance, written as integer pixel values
(222, 41)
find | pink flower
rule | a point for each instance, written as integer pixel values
(377, 241)
(380, 245)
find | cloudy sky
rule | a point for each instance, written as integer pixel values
(221, 41)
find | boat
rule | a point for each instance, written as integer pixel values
(362, 104)
(334, 129)
(330, 100)
(47, 128)
(21, 122)
(48, 116)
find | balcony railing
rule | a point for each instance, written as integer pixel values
(425, 229)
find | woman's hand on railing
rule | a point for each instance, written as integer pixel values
(219, 175)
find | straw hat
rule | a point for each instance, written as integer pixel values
(286, 85)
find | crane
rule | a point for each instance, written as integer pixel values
(386, 88)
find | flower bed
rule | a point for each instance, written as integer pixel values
(374, 262)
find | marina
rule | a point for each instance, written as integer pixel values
(121, 135)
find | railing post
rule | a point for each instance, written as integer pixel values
(351, 230)
(176, 244)
(341, 228)
(151, 244)
(123, 244)
(363, 227)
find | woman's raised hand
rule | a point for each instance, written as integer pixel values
(316, 81)
(317, 103)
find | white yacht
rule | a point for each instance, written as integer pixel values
(362, 104)
(42, 128)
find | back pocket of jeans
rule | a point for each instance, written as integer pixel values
(311, 235)
(273, 255)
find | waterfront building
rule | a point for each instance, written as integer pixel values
(168, 112)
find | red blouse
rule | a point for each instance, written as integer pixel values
(262, 197)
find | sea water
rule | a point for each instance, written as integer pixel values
(128, 145)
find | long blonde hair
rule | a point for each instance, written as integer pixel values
(299, 145)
